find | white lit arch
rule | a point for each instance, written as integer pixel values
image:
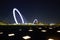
(19, 15)
(35, 20)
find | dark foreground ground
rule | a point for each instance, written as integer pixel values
(36, 34)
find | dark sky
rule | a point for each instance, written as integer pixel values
(46, 11)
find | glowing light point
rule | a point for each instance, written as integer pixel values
(1, 32)
(50, 28)
(30, 30)
(43, 30)
(58, 31)
(19, 15)
(39, 28)
(11, 34)
(26, 37)
(50, 39)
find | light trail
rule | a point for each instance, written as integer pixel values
(19, 15)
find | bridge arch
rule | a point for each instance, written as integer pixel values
(35, 21)
(15, 19)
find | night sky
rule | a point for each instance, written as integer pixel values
(47, 11)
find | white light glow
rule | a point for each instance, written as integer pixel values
(52, 24)
(39, 28)
(50, 28)
(1, 32)
(30, 30)
(26, 37)
(50, 39)
(58, 31)
(43, 30)
(11, 34)
(19, 15)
